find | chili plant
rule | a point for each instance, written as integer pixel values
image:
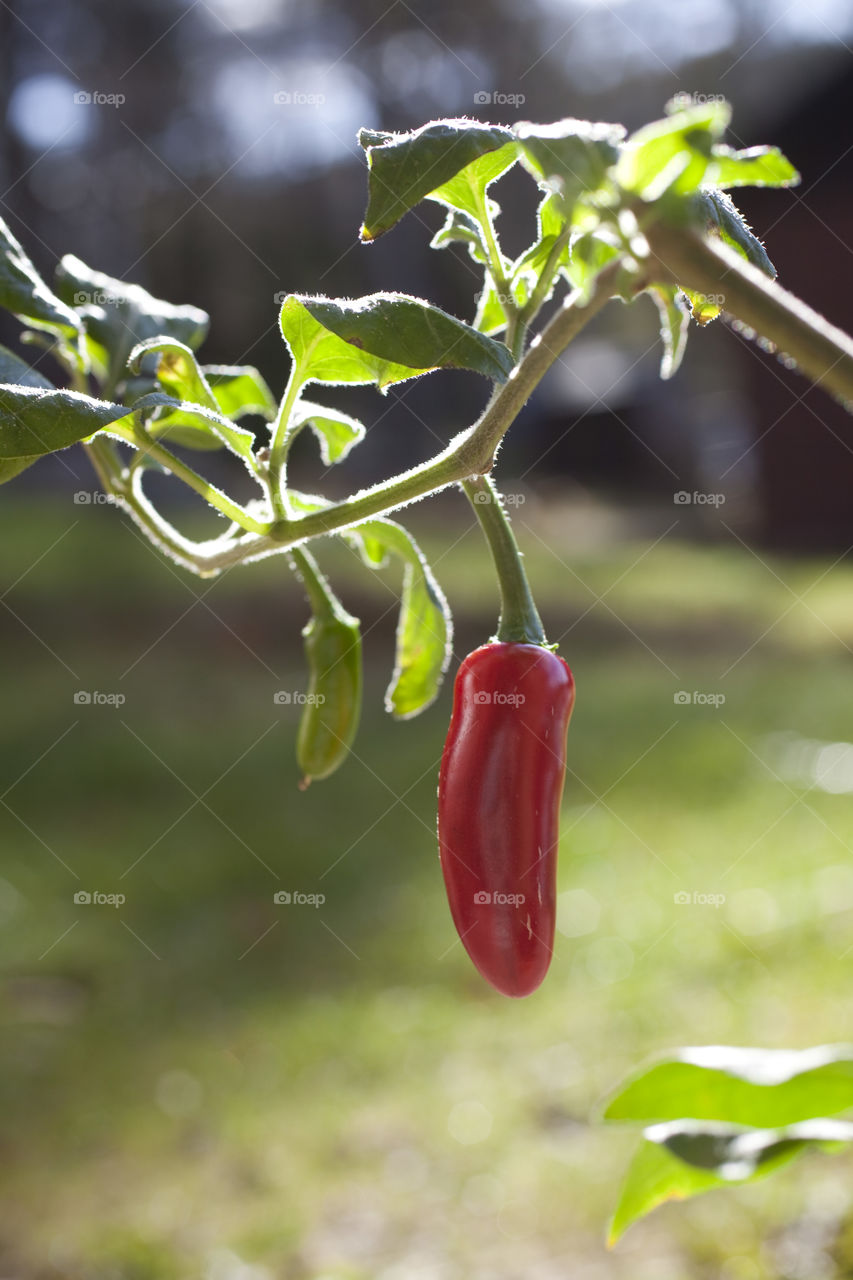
(618, 217)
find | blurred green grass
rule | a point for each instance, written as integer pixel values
(204, 1083)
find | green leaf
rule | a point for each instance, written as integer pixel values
(11, 467)
(119, 315)
(336, 432)
(673, 154)
(424, 631)
(490, 317)
(35, 421)
(177, 370)
(716, 214)
(15, 370)
(193, 426)
(466, 191)
(528, 268)
(763, 1087)
(656, 1175)
(674, 319)
(240, 390)
(406, 167)
(571, 157)
(23, 291)
(703, 307)
(588, 254)
(458, 228)
(752, 167)
(383, 338)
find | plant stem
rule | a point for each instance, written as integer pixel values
(822, 352)
(519, 620)
(280, 444)
(546, 278)
(472, 452)
(137, 436)
(324, 603)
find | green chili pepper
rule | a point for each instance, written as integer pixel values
(333, 703)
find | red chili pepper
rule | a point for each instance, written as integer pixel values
(499, 794)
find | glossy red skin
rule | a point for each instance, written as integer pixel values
(499, 794)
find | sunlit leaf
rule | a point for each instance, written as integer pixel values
(424, 631)
(752, 167)
(763, 1087)
(383, 338)
(466, 190)
(35, 421)
(717, 215)
(192, 425)
(406, 167)
(177, 370)
(673, 154)
(23, 291)
(15, 370)
(674, 319)
(657, 1175)
(119, 315)
(240, 390)
(458, 228)
(336, 432)
(571, 157)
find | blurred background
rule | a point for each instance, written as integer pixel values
(198, 1082)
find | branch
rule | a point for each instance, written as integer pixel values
(822, 352)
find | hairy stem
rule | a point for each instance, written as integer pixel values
(215, 497)
(519, 620)
(822, 352)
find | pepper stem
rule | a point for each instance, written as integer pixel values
(519, 621)
(324, 603)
